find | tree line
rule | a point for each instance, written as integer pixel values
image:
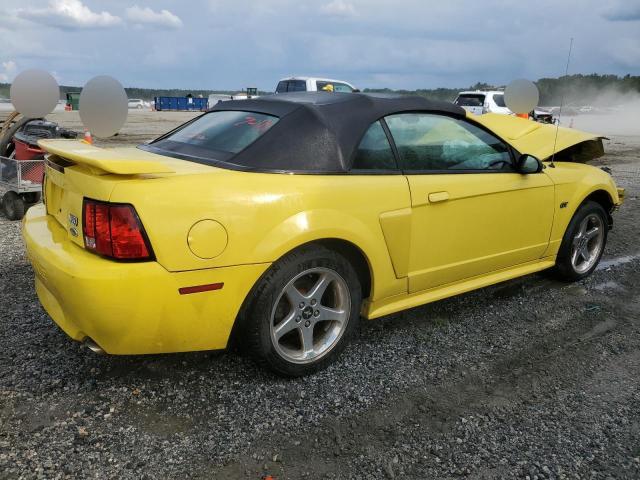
(571, 89)
(576, 89)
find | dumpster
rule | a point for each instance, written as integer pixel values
(181, 104)
(73, 101)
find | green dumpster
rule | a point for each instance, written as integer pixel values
(73, 100)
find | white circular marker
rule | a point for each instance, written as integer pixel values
(521, 96)
(103, 106)
(34, 93)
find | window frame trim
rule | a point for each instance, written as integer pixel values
(377, 171)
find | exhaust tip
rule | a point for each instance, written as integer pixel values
(93, 346)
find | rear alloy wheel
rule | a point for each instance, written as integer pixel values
(310, 315)
(583, 243)
(306, 307)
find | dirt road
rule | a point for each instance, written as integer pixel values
(527, 379)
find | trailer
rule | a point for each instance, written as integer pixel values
(21, 181)
(22, 161)
(181, 104)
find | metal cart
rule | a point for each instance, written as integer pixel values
(21, 185)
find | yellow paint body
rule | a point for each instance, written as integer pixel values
(424, 237)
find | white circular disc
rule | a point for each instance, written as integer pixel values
(34, 93)
(103, 106)
(521, 96)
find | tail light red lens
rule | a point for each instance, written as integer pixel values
(115, 231)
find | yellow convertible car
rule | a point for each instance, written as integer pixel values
(278, 222)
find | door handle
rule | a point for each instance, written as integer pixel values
(436, 197)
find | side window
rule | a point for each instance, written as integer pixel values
(374, 151)
(437, 142)
(323, 86)
(342, 87)
(297, 86)
(499, 99)
(291, 86)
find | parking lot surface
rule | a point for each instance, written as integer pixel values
(532, 378)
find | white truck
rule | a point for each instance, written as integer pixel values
(313, 84)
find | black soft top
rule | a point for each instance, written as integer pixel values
(319, 131)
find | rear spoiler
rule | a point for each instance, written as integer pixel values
(118, 161)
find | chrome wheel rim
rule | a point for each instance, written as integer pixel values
(310, 315)
(587, 243)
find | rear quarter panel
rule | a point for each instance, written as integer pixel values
(267, 215)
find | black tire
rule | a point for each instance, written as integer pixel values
(565, 269)
(31, 198)
(255, 327)
(13, 206)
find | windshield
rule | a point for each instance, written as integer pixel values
(470, 100)
(499, 99)
(215, 135)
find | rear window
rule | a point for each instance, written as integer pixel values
(217, 135)
(291, 86)
(499, 99)
(470, 100)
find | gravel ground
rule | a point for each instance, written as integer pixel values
(531, 379)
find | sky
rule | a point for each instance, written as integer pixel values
(234, 44)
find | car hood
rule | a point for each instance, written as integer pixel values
(539, 139)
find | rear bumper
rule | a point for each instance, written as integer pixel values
(131, 308)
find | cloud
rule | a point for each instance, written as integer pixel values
(338, 8)
(69, 15)
(626, 51)
(622, 11)
(8, 70)
(371, 43)
(146, 16)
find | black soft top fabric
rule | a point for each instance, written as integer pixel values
(319, 132)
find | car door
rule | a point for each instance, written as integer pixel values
(471, 213)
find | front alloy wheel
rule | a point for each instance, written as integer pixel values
(587, 243)
(583, 242)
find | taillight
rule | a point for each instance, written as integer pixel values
(114, 230)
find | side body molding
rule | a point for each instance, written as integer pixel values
(396, 228)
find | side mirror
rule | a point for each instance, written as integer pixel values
(528, 164)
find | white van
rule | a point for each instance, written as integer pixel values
(480, 102)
